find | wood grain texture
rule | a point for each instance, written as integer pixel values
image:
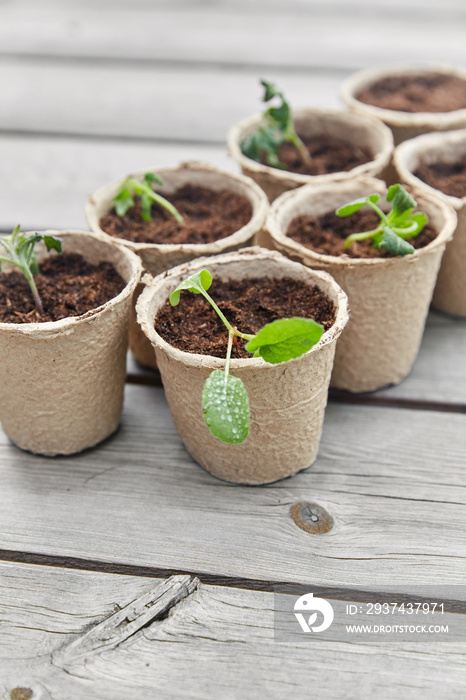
(217, 642)
(392, 480)
(263, 34)
(153, 102)
(59, 173)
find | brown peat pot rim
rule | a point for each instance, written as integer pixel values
(365, 78)
(327, 284)
(294, 204)
(99, 203)
(429, 149)
(55, 327)
(336, 119)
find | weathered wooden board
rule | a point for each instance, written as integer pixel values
(143, 102)
(62, 638)
(439, 373)
(59, 173)
(393, 480)
(262, 34)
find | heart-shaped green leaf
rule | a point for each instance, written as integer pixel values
(285, 339)
(225, 404)
(197, 283)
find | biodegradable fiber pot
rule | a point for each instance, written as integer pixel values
(157, 258)
(366, 132)
(62, 381)
(404, 125)
(447, 147)
(287, 400)
(388, 297)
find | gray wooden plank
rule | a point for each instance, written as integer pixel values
(391, 479)
(216, 642)
(277, 34)
(146, 101)
(439, 373)
(58, 173)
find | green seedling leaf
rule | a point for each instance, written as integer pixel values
(400, 199)
(394, 244)
(153, 177)
(197, 283)
(285, 339)
(271, 90)
(225, 405)
(356, 205)
(394, 227)
(18, 249)
(124, 200)
(278, 127)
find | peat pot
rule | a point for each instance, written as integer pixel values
(62, 381)
(446, 147)
(388, 297)
(157, 258)
(366, 132)
(404, 125)
(287, 400)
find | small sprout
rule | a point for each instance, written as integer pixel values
(225, 402)
(19, 251)
(394, 227)
(277, 129)
(124, 198)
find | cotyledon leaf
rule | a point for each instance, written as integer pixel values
(225, 404)
(196, 283)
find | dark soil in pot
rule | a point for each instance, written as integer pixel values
(326, 234)
(248, 304)
(426, 92)
(67, 284)
(328, 155)
(208, 215)
(449, 178)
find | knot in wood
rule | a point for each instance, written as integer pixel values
(311, 517)
(21, 694)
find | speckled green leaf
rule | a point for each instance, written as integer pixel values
(225, 405)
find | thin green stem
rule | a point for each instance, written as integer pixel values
(379, 211)
(168, 206)
(362, 236)
(303, 150)
(35, 293)
(215, 307)
(227, 360)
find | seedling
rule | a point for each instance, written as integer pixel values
(225, 401)
(277, 129)
(124, 200)
(19, 251)
(399, 223)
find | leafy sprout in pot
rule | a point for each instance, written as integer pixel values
(278, 128)
(19, 251)
(395, 226)
(225, 401)
(124, 200)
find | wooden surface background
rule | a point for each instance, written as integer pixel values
(88, 92)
